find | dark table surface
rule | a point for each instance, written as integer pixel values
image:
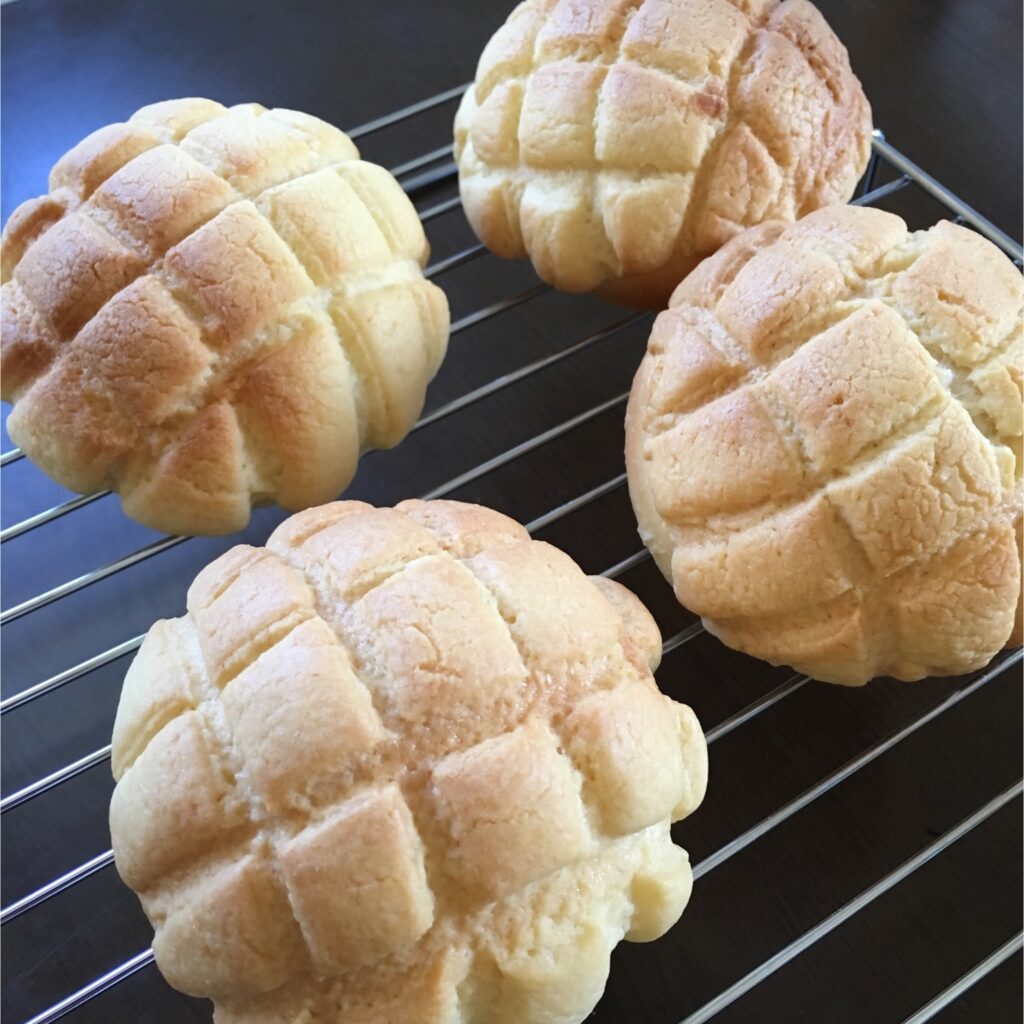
(944, 80)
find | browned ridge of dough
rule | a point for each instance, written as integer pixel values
(824, 445)
(402, 765)
(617, 142)
(214, 308)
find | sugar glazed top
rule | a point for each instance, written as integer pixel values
(617, 143)
(824, 445)
(214, 308)
(402, 765)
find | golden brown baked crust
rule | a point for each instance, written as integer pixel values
(401, 765)
(214, 308)
(617, 142)
(824, 445)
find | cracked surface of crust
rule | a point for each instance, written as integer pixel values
(402, 765)
(214, 308)
(617, 142)
(824, 446)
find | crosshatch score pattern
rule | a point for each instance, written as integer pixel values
(275, 355)
(108, 984)
(478, 808)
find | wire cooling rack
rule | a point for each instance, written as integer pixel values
(889, 173)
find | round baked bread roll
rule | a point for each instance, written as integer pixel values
(402, 765)
(617, 142)
(824, 446)
(214, 308)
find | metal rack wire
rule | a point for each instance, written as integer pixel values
(417, 174)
